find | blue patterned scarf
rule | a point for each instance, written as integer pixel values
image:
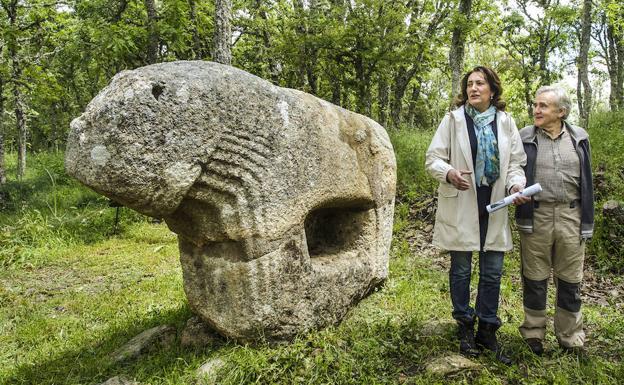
(487, 169)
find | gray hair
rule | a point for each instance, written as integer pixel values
(562, 98)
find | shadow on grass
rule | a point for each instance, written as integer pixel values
(92, 363)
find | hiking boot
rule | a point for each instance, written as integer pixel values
(536, 346)
(486, 340)
(577, 351)
(465, 333)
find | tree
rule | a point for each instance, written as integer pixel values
(14, 27)
(152, 32)
(456, 51)
(417, 54)
(584, 91)
(609, 34)
(530, 36)
(223, 32)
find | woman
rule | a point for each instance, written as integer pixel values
(477, 155)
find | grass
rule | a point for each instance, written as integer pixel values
(72, 292)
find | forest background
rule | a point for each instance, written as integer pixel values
(394, 61)
(74, 287)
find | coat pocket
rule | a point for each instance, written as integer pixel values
(447, 204)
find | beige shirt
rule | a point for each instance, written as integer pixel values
(557, 168)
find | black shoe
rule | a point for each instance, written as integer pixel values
(465, 332)
(577, 351)
(486, 340)
(536, 346)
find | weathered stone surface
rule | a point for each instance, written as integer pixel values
(159, 336)
(208, 372)
(283, 202)
(197, 333)
(118, 380)
(451, 364)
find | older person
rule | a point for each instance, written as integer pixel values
(476, 155)
(558, 221)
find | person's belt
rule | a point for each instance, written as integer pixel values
(573, 204)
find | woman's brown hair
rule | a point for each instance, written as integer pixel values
(495, 85)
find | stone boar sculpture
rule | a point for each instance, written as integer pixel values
(283, 203)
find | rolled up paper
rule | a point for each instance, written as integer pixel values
(527, 192)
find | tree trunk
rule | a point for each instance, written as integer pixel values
(584, 98)
(619, 90)
(456, 51)
(336, 91)
(223, 32)
(382, 95)
(363, 103)
(152, 32)
(398, 90)
(197, 49)
(616, 70)
(2, 169)
(528, 96)
(15, 79)
(401, 82)
(411, 110)
(22, 130)
(266, 41)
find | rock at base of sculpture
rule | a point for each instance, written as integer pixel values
(283, 202)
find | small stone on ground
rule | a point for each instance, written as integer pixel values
(118, 380)
(158, 337)
(207, 373)
(451, 364)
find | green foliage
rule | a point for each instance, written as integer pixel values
(606, 134)
(413, 181)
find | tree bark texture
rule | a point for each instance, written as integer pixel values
(382, 95)
(456, 52)
(267, 43)
(584, 97)
(2, 167)
(15, 78)
(198, 53)
(152, 32)
(223, 32)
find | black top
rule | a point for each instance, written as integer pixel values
(484, 193)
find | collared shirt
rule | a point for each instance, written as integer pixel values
(557, 168)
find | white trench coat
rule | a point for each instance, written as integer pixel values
(457, 218)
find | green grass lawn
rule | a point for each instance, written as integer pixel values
(72, 291)
(61, 320)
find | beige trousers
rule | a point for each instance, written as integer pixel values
(556, 245)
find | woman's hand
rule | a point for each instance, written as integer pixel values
(519, 200)
(455, 177)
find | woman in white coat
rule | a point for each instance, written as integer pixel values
(477, 156)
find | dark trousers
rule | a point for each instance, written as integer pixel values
(490, 273)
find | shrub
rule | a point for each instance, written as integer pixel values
(606, 134)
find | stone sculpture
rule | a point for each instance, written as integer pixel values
(283, 202)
